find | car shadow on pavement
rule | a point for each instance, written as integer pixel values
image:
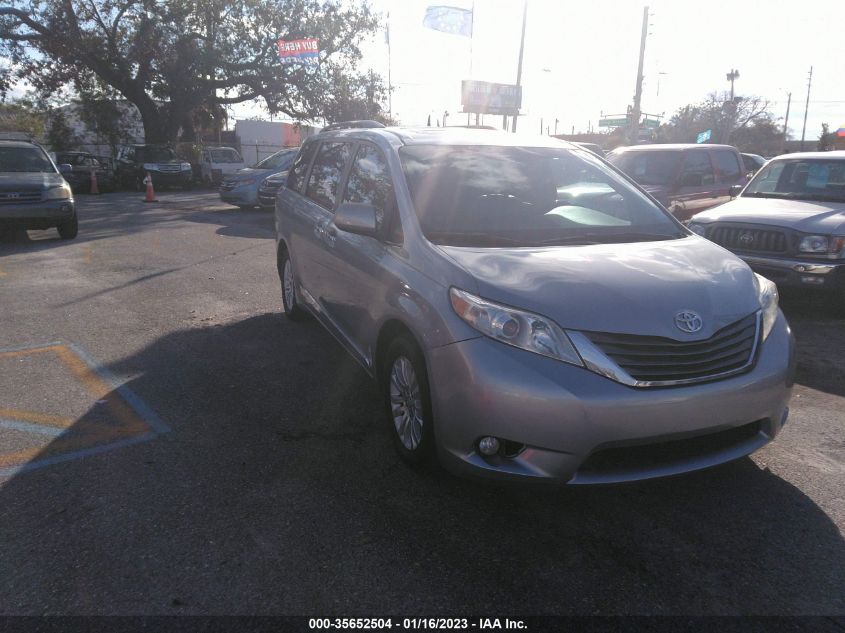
(818, 322)
(277, 491)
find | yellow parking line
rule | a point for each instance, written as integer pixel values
(37, 418)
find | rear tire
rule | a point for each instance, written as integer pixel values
(407, 401)
(293, 311)
(69, 229)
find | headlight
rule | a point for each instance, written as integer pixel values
(814, 244)
(767, 291)
(520, 329)
(185, 166)
(62, 192)
(150, 166)
(698, 229)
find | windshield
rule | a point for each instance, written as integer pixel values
(522, 196)
(24, 159)
(225, 156)
(155, 155)
(648, 168)
(800, 179)
(279, 160)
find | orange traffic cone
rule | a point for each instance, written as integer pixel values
(151, 194)
(95, 190)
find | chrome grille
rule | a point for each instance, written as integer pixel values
(227, 185)
(749, 239)
(19, 197)
(654, 359)
(169, 168)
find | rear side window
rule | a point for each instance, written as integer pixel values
(727, 164)
(649, 168)
(697, 170)
(369, 182)
(326, 172)
(296, 177)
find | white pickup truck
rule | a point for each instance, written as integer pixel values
(218, 162)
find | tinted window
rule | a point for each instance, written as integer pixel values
(296, 177)
(369, 181)
(326, 173)
(279, 160)
(522, 196)
(728, 164)
(697, 170)
(648, 168)
(817, 179)
(24, 159)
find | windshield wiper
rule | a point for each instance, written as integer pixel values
(446, 238)
(607, 238)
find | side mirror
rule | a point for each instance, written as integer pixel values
(65, 168)
(356, 217)
(735, 190)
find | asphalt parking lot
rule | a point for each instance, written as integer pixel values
(170, 444)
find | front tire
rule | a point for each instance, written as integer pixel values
(293, 311)
(69, 229)
(404, 385)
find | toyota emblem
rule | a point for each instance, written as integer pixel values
(746, 239)
(688, 321)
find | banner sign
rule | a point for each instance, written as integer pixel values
(483, 97)
(298, 51)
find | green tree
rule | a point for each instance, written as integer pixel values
(22, 116)
(825, 139)
(172, 58)
(357, 100)
(59, 135)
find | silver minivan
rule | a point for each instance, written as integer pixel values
(529, 312)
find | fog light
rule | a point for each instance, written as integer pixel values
(488, 446)
(812, 279)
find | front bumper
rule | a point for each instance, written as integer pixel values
(240, 196)
(171, 178)
(267, 197)
(37, 215)
(799, 273)
(562, 415)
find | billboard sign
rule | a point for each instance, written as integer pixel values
(483, 97)
(304, 51)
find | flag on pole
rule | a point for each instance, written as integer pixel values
(447, 19)
(841, 130)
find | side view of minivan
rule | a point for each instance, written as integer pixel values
(686, 179)
(527, 311)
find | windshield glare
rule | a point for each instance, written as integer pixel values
(156, 154)
(651, 167)
(24, 159)
(280, 160)
(523, 196)
(800, 179)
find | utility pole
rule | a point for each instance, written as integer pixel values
(806, 107)
(521, 50)
(786, 121)
(732, 76)
(634, 121)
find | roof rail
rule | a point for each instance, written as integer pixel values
(345, 125)
(20, 137)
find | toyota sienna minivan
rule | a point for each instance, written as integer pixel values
(528, 312)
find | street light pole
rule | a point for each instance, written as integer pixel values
(732, 76)
(634, 121)
(786, 121)
(806, 107)
(521, 50)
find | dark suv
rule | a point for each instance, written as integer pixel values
(33, 193)
(686, 179)
(134, 162)
(82, 164)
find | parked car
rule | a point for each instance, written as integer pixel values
(686, 179)
(33, 192)
(595, 149)
(82, 164)
(219, 162)
(752, 162)
(241, 188)
(269, 189)
(789, 222)
(165, 168)
(527, 311)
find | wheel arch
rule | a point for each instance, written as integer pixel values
(390, 330)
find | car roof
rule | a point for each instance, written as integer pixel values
(672, 147)
(12, 143)
(835, 155)
(447, 136)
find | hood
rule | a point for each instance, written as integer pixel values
(624, 288)
(17, 181)
(799, 215)
(250, 172)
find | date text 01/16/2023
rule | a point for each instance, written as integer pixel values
(412, 624)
